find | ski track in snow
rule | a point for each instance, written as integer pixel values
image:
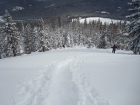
(60, 83)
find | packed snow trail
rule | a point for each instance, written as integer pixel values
(60, 83)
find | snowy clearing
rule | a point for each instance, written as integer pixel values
(76, 76)
(103, 20)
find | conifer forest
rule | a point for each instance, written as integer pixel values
(19, 37)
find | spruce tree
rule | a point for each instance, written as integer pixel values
(59, 22)
(133, 26)
(11, 39)
(1, 43)
(102, 41)
(35, 39)
(28, 39)
(43, 42)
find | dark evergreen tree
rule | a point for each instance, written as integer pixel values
(28, 39)
(133, 26)
(59, 22)
(53, 23)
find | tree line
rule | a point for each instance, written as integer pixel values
(44, 37)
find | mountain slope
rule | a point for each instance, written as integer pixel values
(52, 8)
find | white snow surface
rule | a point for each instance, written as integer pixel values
(103, 20)
(71, 76)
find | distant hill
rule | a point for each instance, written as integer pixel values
(32, 9)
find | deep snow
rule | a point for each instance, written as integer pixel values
(74, 76)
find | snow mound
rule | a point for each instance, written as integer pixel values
(60, 83)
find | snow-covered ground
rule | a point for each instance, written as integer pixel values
(74, 76)
(103, 20)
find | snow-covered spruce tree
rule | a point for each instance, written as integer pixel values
(87, 34)
(78, 33)
(133, 26)
(102, 41)
(43, 43)
(1, 43)
(22, 36)
(112, 33)
(28, 39)
(119, 37)
(92, 35)
(11, 40)
(35, 39)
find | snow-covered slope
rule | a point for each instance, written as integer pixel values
(103, 20)
(77, 76)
